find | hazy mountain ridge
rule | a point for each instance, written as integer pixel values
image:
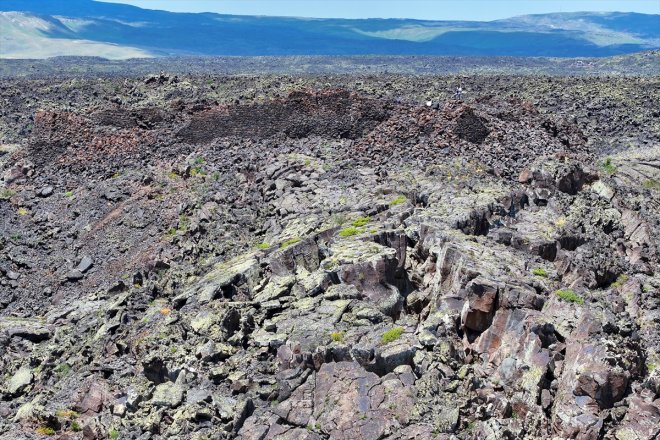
(139, 32)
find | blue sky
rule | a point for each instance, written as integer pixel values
(423, 9)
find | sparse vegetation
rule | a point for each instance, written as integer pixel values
(399, 200)
(22, 211)
(570, 296)
(608, 167)
(113, 434)
(337, 336)
(349, 231)
(6, 194)
(391, 335)
(67, 413)
(68, 194)
(540, 272)
(183, 223)
(63, 369)
(263, 246)
(45, 430)
(651, 184)
(197, 171)
(620, 281)
(338, 219)
(75, 426)
(361, 221)
(289, 242)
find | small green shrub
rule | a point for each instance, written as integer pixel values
(183, 223)
(45, 430)
(75, 426)
(68, 194)
(290, 242)
(337, 336)
(540, 272)
(63, 369)
(608, 167)
(361, 221)
(199, 160)
(399, 200)
(651, 184)
(67, 413)
(6, 194)
(197, 171)
(349, 232)
(113, 434)
(620, 281)
(338, 219)
(570, 296)
(391, 335)
(263, 246)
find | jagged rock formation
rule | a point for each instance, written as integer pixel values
(327, 265)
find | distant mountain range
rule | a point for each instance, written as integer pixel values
(42, 28)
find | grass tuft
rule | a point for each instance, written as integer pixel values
(290, 242)
(399, 200)
(263, 246)
(651, 184)
(361, 221)
(349, 232)
(337, 336)
(608, 167)
(6, 194)
(620, 281)
(45, 430)
(540, 272)
(570, 296)
(391, 335)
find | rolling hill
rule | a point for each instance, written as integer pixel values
(38, 29)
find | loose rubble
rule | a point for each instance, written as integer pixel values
(327, 265)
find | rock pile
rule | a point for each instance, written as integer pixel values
(326, 266)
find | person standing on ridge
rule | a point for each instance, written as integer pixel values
(459, 93)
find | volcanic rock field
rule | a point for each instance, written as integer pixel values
(330, 257)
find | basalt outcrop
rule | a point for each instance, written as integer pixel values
(327, 265)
